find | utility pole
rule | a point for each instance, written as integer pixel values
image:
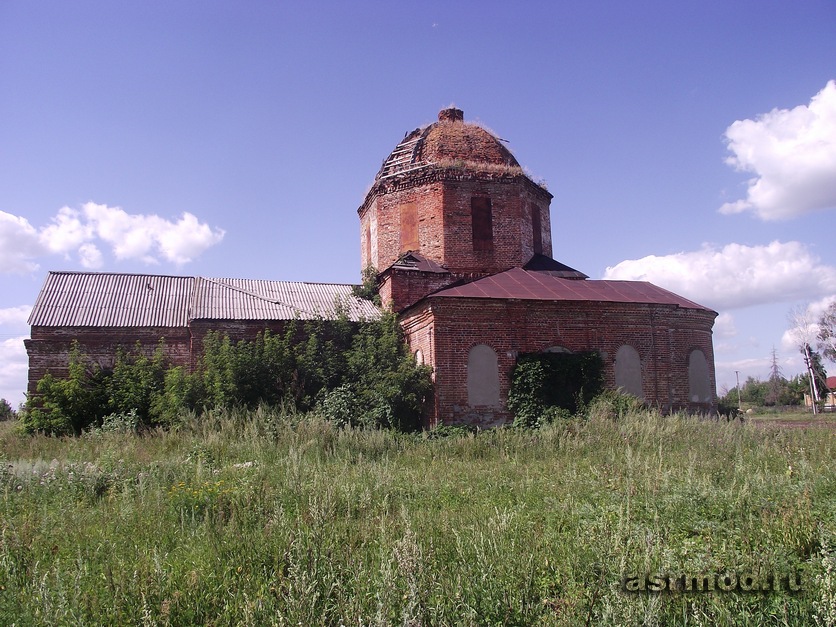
(739, 404)
(814, 390)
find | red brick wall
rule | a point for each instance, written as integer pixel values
(664, 336)
(441, 201)
(400, 289)
(418, 329)
(49, 347)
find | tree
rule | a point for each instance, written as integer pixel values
(777, 384)
(827, 332)
(6, 411)
(819, 373)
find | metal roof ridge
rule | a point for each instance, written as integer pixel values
(216, 279)
(87, 273)
(261, 297)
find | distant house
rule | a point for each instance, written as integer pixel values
(830, 399)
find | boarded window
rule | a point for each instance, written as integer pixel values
(482, 377)
(699, 383)
(628, 371)
(537, 227)
(409, 227)
(482, 220)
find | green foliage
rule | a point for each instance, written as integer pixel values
(6, 411)
(68, 406)
(553, 380)
(614, 405)
(128, 422)
(359, 374)
(367, 290)
(136, 382)
(819, 373)
(827, 332)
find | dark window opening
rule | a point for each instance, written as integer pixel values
(482, 219)
(537, 228)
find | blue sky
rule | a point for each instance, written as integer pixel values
(692, 144)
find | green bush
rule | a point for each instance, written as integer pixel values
(359, 374)
(71, 405)
(542, 381)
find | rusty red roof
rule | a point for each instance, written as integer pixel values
(101, 299)
(517, 283)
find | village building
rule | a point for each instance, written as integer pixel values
(459, 240)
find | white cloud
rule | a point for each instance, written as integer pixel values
(14, 363)
(19, 245)
(792, 154)
(735, 276)
(90, 256)
(14, 370)
(84, 233)
(15, 317)
(65, 233)
(724, 326)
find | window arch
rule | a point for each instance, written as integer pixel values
(557, 349)
(628, 370)
(699, 383)
(482, 376)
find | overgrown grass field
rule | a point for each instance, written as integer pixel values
(260, 518)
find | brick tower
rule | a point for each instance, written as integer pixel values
(450, 203)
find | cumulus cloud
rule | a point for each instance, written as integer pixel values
(735, 276)
(83, 233)
(15, 317)
(14, 363)
(19, 245)
(14, 370)
(724, 326)
(792, 154)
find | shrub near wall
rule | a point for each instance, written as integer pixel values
(548, 385)
(359, 374)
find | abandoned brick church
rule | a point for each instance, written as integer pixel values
(460, 238)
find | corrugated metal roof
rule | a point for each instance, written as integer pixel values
(249, 299)
(524, 285)
(93, 299)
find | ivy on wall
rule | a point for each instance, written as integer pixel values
(545, 386)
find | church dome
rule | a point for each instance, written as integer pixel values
(450, 142)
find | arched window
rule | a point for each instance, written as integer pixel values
(419, 357)
(482, 376)
(628, 371)
(699, 383)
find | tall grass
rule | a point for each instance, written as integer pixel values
(261, 518)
